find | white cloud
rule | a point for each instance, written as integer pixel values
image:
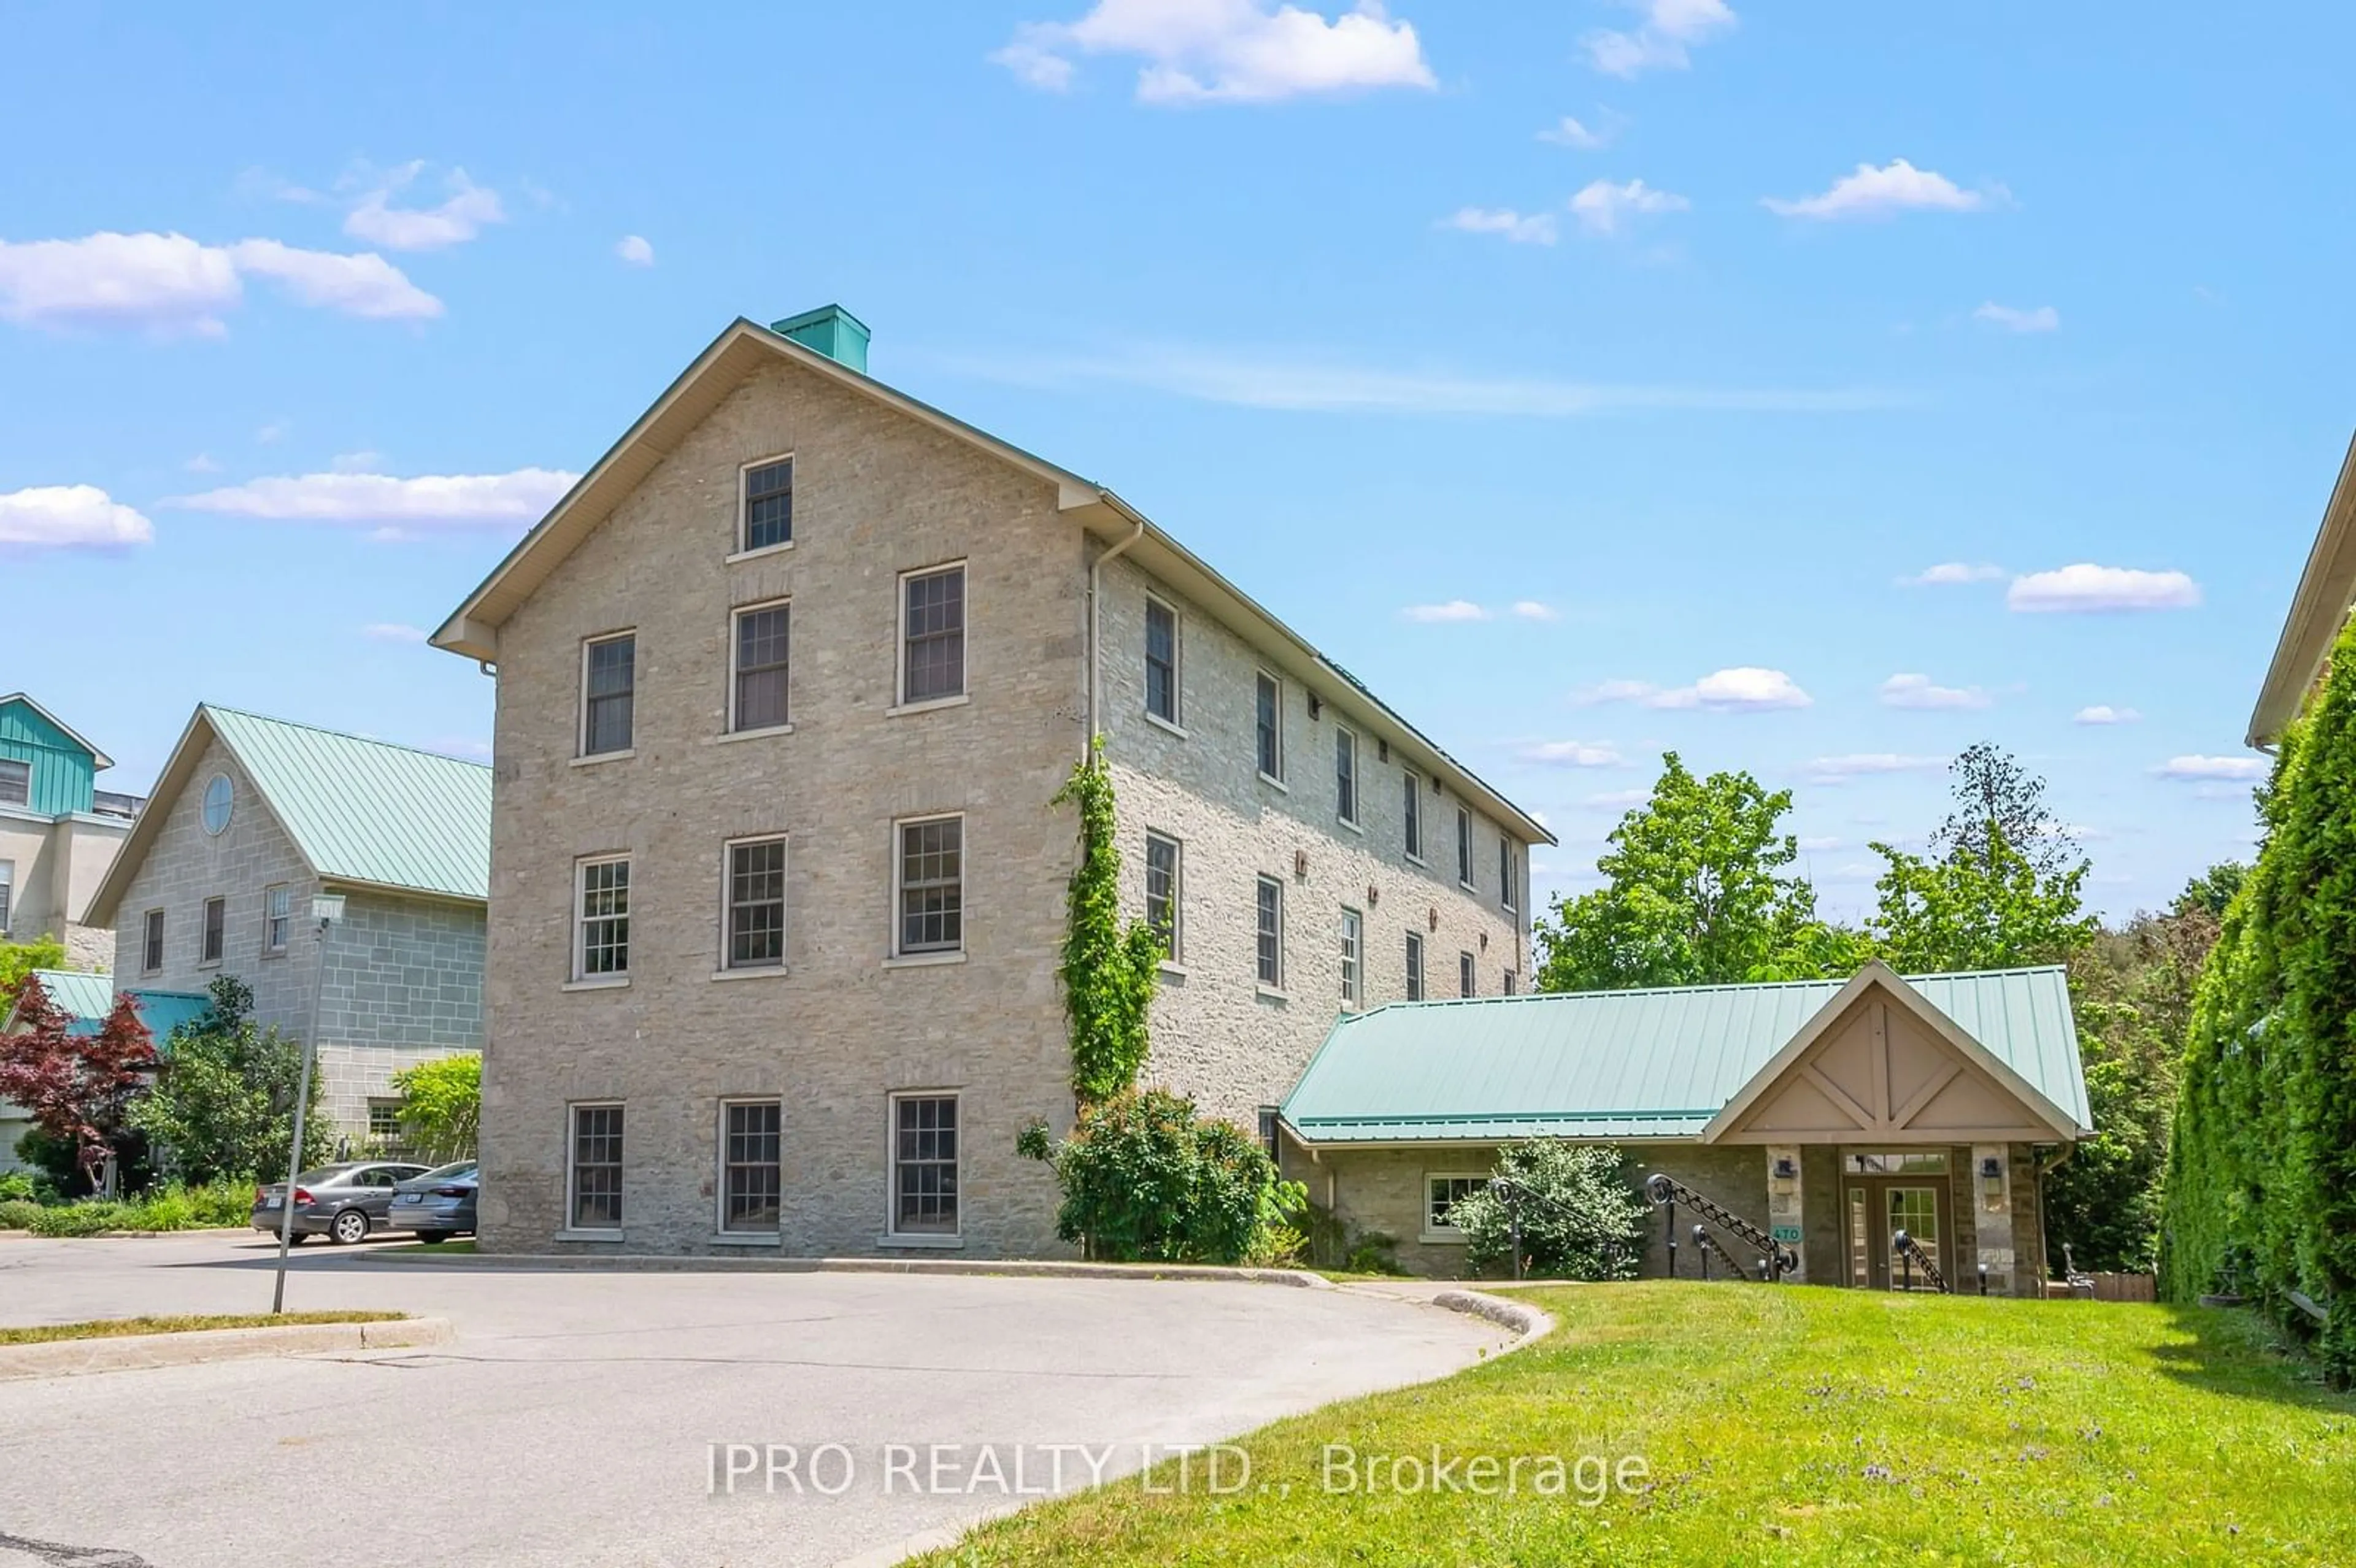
(1575, 754)
(1531, 609)
(1861, 764)
(1746, 688)
(274, 432)
(1453, 611)
(634, 250)
(2044, 318)
(1668, 29)
(364, 285)
(1522, 228)
(1571, 133)
(202, 462)
(1921, 691)
(170, 283)
(1241, 51)
(392, 632)
(2197, 767)
(1952, 573)
(1612, 692)
(357, 461)
(1617, 799)
(2086, 587)
(1897, 187)
(2104, 713)
(1602, 207)
(454, 221)
(428, 501)
(69, 517)
(1819, 845)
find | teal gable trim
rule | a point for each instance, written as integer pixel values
(64, 771)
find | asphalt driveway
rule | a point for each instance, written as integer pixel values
(596, 1418)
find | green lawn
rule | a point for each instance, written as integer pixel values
(114, 1327)
(1790, 1425)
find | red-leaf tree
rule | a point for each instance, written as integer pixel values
(75, 1087)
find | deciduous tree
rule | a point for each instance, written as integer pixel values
(77, 1087)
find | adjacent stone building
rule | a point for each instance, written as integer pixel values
(785, 686)
(253, 818)
(58, 832)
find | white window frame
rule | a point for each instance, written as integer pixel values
(581, 977)
(1276, 985)
(892, 1235)
(1468, 974)
(727, 967)
(901, 955)
(573, 1109)
(1354, 956)
(1411, 837)
(7, 893)
(744, 549)
(1429, 1232)
(720, 1231)
(286, 936)
(1464, 867)
(208, 955)
(581, 751)
(1276, 680)
(14, 762)
(1176, 721)
(1413, 959)
(1505, 898)
(1354, 817)
(900, 702)
(150, 941)
(1177, 953)
(736, 615)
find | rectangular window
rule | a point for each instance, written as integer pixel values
(151, 942)
(1509, 982)
(7, 886)
(385, 1122)
(932, 636)
(277, 917)
(602, 944)
(597, 1198)
(1415, 965)
(749, 1177)
(1412, 804)
(1270, 912)
(1345, 774)
(1463, 846)
(757, 905)
(932, 885)
(1442, 1190)
(15, 781)
(768, 504)
(1354, 946)
(1506, 872)
(608, 686)
(1161, 661)
(1464, 974)
(1162, 890)
(216, 929)
(1270, 703)
(757, 698)
(925, 1165)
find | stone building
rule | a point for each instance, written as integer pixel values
(58, 832)
(1829, 1115)
(251, 818)
(786, 685)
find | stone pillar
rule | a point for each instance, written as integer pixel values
(1992, 1214)
(1786, 1219)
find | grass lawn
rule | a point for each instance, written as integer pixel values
(449, 1249)
(1792, 1425)
(115, 1327)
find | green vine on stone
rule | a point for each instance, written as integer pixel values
(1109, 969)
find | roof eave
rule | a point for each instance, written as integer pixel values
(2319, 605)
(100, 760)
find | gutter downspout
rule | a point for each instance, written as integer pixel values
(1096, 593)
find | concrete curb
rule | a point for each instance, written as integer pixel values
(699, 1263)
(69, 1357)
(1528, 1324)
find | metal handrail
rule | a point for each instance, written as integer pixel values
(1667, 1193)
(1910, 1253)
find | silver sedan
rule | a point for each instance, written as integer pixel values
(343, 1202)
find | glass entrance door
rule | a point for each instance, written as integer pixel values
(1880, 1208)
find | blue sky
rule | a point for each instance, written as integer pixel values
(1697, 329)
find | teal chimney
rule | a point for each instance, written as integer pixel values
(833, 331)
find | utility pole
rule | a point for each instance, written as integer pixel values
(326, 909)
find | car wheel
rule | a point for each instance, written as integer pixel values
(433, 1238)
(351, 1225)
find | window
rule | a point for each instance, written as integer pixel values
(756, 699)
(216, 929)
(1271, 933)
(1345, 774)
(1353, 944)
(1411, 803)
(932, 885)
(1415, 965)
(1506, 872)
(602, 943)
(932, 636)
(1269, 701)
(15, 781)
(1463, 846)
(1509, 982)
(1160, 661)
(757, 905)
(277, 917)
(750, 1183)
(1268, 1116)
(385, 1122)
(608, 684)
(925, 1165)
(219, 802)
(768, 504)
(7, 886)
(1464, 974)
(1162, 890)
(596, 1177)
(151, 942)
(1442, 1190)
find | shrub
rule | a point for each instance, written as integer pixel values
(18, 1213)
(1145, 1179)
(441, 1106)
(19, 1186)
(1334, 1243)
(224, 1099)
(1581, 1218)
(81, 1220)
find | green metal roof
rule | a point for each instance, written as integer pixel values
(87, 999)
(77, 994)
(363, 811)
(1629, 1065)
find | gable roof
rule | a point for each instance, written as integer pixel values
(86, 998)
(1659, 1063)
(2325, 589)
(745, 347)
(360, 812)
(97, 759)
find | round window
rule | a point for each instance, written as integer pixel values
(218, 798)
